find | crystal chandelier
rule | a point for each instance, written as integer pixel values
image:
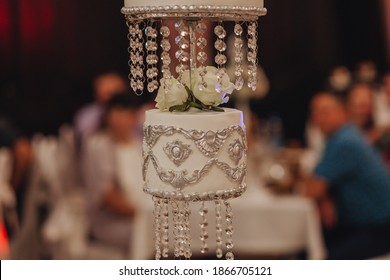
(189, 35)
(154, 32)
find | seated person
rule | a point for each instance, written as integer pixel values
(87, 119)
(382, 103)
(112, 171)
(351, 185)
(360, 109)
(382, 119)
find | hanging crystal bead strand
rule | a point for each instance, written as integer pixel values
(238, 56)
(181, 229)
(176, 230)
(218, 223)
(203, 225)
(139, 57)
(187, 228)
(133, 49)
(229, 231)
(220, 58)
(165, 228)
(151, 56)
(201, 57)
(157, 227)
(182, 42)
(165, 57)
(252, 55)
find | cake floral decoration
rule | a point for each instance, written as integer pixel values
(184, 94)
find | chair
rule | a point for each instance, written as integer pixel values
(66, 230)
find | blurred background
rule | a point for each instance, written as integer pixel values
(52, 51)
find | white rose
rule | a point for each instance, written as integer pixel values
(176, 95)
(209, 95)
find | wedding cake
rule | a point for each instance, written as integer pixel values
(194, 154)
(194, 150)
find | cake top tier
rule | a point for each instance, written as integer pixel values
(151, 3)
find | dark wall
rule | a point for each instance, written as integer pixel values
(51, 49)
(56, 48)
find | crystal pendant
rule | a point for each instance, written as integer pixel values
(152, 72)
(181, 68)
(238, 70)
(238, 56)
(220, 31)
(201, 27)
(166, 59)
(182, 28)
(220, 59)
(182, 56)
(179, 25)
(202, 70)
(164, 31)
(229, 256)
(238, 43)
(165, 45)
(182, 42)
(152, 59)
(151, 46)
(220, 45)
(152, 86)
(238, 29)
(239, 83)
(201, 42)
(151, 32)
(202, 57)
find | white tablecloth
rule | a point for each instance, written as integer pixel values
(263, 225)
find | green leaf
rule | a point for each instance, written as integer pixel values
(177, 108)
(196, 105)
(217, 109)
(191, 96)
(194, 102)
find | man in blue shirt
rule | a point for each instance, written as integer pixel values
(351, 185)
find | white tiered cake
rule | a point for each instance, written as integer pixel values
(193, 150)
(194, 155)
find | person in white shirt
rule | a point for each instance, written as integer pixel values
(112, 172)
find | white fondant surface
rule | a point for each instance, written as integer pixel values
(205, 121)
(195, 119)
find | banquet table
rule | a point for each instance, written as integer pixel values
(264, 225)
